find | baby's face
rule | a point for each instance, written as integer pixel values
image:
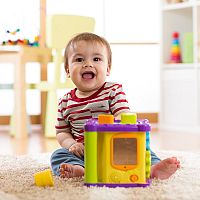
(88, 65)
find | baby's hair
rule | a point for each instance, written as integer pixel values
(88, 37)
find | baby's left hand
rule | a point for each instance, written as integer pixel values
(77, 149)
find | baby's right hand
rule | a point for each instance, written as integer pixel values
(77, 149)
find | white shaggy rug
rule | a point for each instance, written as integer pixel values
(16, 182)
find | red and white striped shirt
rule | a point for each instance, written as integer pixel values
(73, 111)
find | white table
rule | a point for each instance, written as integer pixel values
(19, 56)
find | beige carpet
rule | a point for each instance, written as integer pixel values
(16, 182)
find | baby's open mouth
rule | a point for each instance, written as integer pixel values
(88, 75)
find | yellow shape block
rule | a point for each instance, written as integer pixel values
(106, 119)
(44, 178)
(128, 118)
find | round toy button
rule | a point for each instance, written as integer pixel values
(134, 178)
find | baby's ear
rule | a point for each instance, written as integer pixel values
(108, 71)
(67, 71)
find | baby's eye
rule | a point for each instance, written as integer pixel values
(97, 59)
(79, 59)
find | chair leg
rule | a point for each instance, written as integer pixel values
(12, 125)
(51, 114)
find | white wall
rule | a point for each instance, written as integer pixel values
(125, 24)
(137, 68)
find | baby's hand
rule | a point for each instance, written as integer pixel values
(77, 149)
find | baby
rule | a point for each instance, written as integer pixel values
(88, 61)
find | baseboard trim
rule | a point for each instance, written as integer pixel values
(5, 120)
(36, 119)
(152, 117)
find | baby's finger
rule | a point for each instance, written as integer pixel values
(80, 151)
(72, 149)
(77, 153)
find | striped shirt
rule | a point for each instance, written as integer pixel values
(73, 111)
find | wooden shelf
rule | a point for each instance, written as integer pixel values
(180, 82)
(169, 7)
(178, 66)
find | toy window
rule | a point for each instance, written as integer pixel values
(124, 151)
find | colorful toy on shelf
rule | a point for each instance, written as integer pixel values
(25, 42)
(117, 153)
(44, 178)
(13, 32)
(175, 56)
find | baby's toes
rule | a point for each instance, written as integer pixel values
(61, 170)
(63, 166)
(62, 176)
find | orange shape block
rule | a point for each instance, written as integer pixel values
(106, 119)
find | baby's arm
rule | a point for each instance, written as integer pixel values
(67, 141)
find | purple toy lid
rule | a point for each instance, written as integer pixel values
(142, 125)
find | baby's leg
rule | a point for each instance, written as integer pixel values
(165, 168)
(63, 156)
(69, 170)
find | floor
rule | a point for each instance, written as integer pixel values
(37, 143)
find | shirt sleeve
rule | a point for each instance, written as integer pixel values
(118, 101)
(62, 125)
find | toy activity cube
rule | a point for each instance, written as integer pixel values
(117, 153)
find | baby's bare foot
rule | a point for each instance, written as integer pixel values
(165, 168)
(69, 170)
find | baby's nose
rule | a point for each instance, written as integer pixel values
(88, 64)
